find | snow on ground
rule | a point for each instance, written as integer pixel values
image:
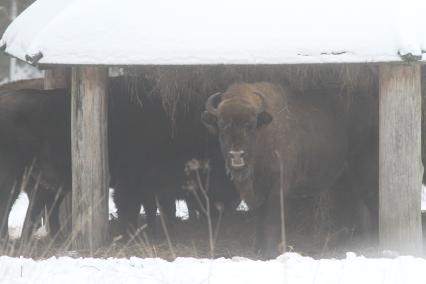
(288, 268)
(111, 204)
(19, 209)
(17, 215)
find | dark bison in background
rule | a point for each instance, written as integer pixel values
(32, 125)
(271, 138)
(148, 156)
(147, 162)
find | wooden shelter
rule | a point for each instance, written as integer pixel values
(89, 36)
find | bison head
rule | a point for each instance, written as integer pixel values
(236, 120)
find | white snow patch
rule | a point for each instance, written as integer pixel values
(23, 71)
(111, 205)
(17, 215)
(182, 210)
(19, 209)
(242, 206)
(17, 218)
(288, 268)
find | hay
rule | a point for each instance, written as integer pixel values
(185, 88)
(190, 239)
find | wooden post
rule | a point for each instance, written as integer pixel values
(400, 167)
(65, 213)
(423, 91)
(90, 174)
(57, 78)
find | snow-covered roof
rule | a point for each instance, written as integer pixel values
(168, 32)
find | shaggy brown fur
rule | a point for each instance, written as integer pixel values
(305, 136)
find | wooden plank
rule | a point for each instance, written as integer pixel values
(90, 172)
(400, 167)
(423, 90)
(57, 78)
(65, 213)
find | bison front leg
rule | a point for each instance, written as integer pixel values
(128, 206)
(53, 204)
(270, 225)
(149, 203)
(37, 197)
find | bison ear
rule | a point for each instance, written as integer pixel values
(210, 121)
(263, 118)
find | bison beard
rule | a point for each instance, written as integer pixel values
(261, 120)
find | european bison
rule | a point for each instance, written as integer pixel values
(32, 127)
(146, 160)
(160, 171)
(166, 180)
(148, 152)
(273, 138)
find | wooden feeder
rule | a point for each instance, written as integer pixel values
(90, 36)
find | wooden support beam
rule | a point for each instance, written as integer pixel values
(65, 213)
(400, 167)
(90, 174)
(57, 78)
(423, 90)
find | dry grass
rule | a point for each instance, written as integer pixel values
(183, 88)
(192, 239)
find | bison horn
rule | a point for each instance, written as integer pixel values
(263, 102)
(212, 102)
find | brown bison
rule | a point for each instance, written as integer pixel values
(273, 138)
